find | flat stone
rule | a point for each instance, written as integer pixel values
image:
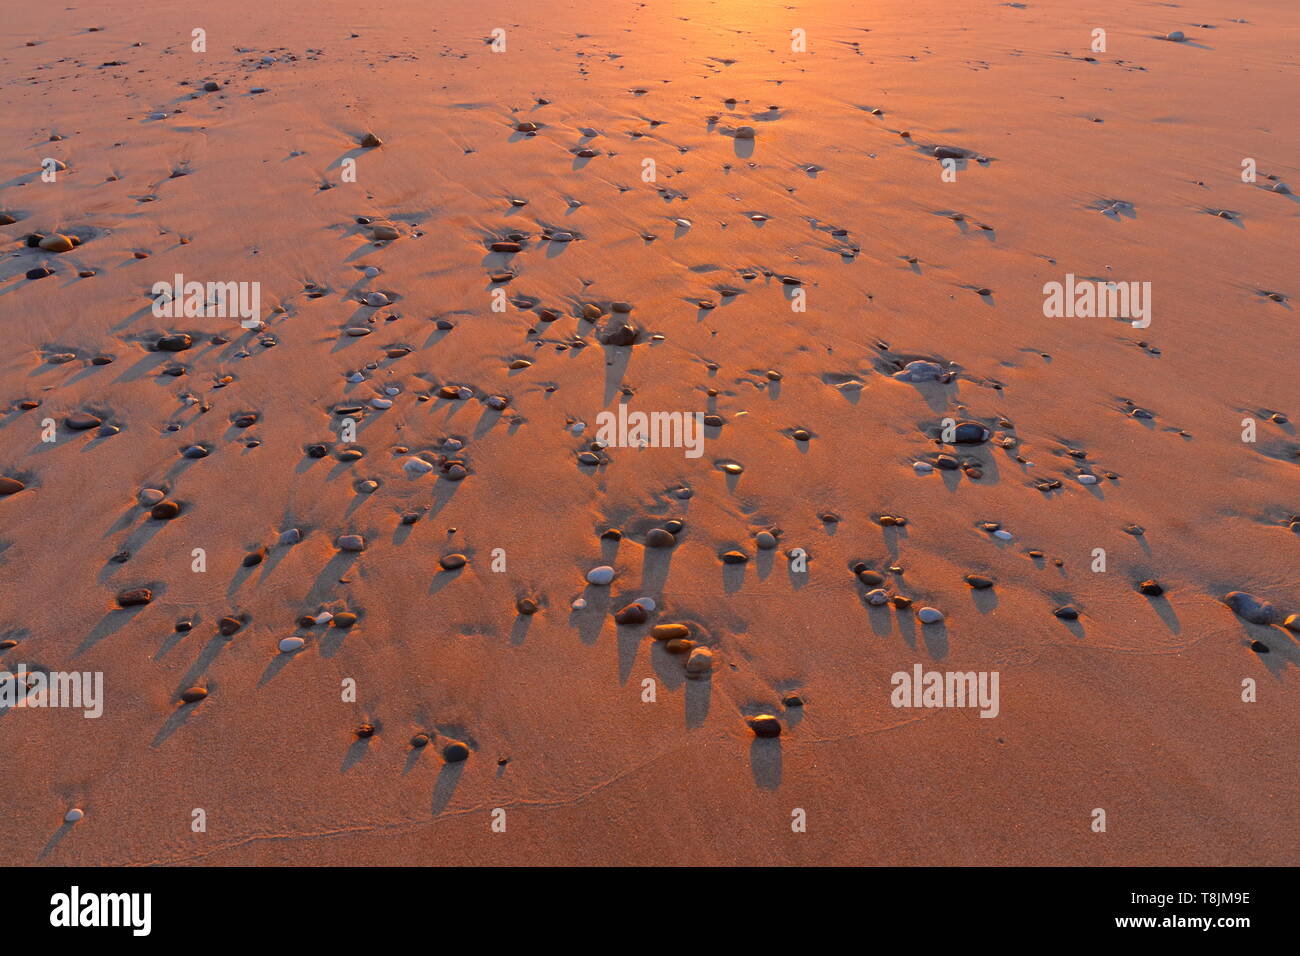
(351, 542)
(450, 562)
(1253, 609)
(668, 632)
(290, 644)
(603, 574)
(929, 615)
(765, 725)
(979, 582)
(134, 597)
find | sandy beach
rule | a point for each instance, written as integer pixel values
(381, 383)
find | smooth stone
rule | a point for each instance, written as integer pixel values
(1088, 479)
(344, 619)
(765, 540)
(745, 132)
(669, 632)
(877, 598)
(324, 617)
(1176, 36)
(381, 403)
(56, 243)
(73, 815)
(10, 486)
(351, 542)
(765, 725)
(165, 511)
(416, 466)
(922, 467)
(420, 740)
(969, 433)
(734, 557)
(175, 342)
(1292, 623)
(371, 141)
(81, 421)
(601, 575)
(134, 597)
(632, 614)
(290, 536)
(659, 538)
(290, 644)
(1002, 535)
(1067, 613)
(194, 451)
(193, 695)
(647, 603)
(376, 300)
(979, 582)
(700, 661)
(1151, 588)
(455, 752)
(450, 562)
(929, 615)
(1253, 609)
(920, 372)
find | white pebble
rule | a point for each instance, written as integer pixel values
(290, 644)
(929, 615)
(578, 604)
(601, 575)
(1087, 479)
(73, 815)
(324, 617)
(416, 466)
(381, 403)
(1002, 535)
(922, 467)
(376, 300)
(878, 597)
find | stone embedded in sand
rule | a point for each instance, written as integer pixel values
(765, 540)
(632, 614)
(371, 141)
(40, 272)
(1151, 588)
(669, 632)
(659, 538)
(745, 132)
(165, 510)
(194, 451)
(765, 725)
(420, 740)
(174, 342)
(344, 619)
(979, 582)
(526, 127)
(193, 695)
(527, 606)
(376, 300)
(870, 578)
(734, 557)
(679, 645)
(700, 661)
(921, 372)
(505, 247)
(290, 644)
(351, 542)
(73, 815)
(56, 243)
(1253, 609)
(10, 486)
(365, 731)
(922, 467)
(1067, 612)
(602, 574)
(455, 752)
(229, 626)
(450, 562)
(416, 466)
(496, 402)
(949, 152)
(1086, 479)
(384, 233)
(621, 335)
(970, 433)
(254, 558)
(81, 421)
(1177, 36)
(135, 597)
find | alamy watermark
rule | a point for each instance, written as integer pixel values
(222, 300)
(1084, 299)
(82, 690)
(936, 689)
(626, 429)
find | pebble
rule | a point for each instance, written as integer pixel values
(1088, 479)
(1292, 623)
(1067, 613)
(194, 451)
(10, 486)
(700, 661)
(970, 433)
(193, 695)
(745, 132)
(765, 540)
(920, 372)
(455, 752)
(290, 536)
(1253, 609)
(290, 644)
(659, 538)
(450, 562)
(81, 421)
(1176, 36)
(1151, 588)
(165, 510)
(632, 614)
(922, 467)
(416, 466)
(603, 574)
(669, 632)
(979, 582)
(174, 342)
(376, 300)
(1002, 535)
(765, 725)
(878, 598)
(734, 557)
(73, 815)
(420, 740)
(351, 542)
(929, 615)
